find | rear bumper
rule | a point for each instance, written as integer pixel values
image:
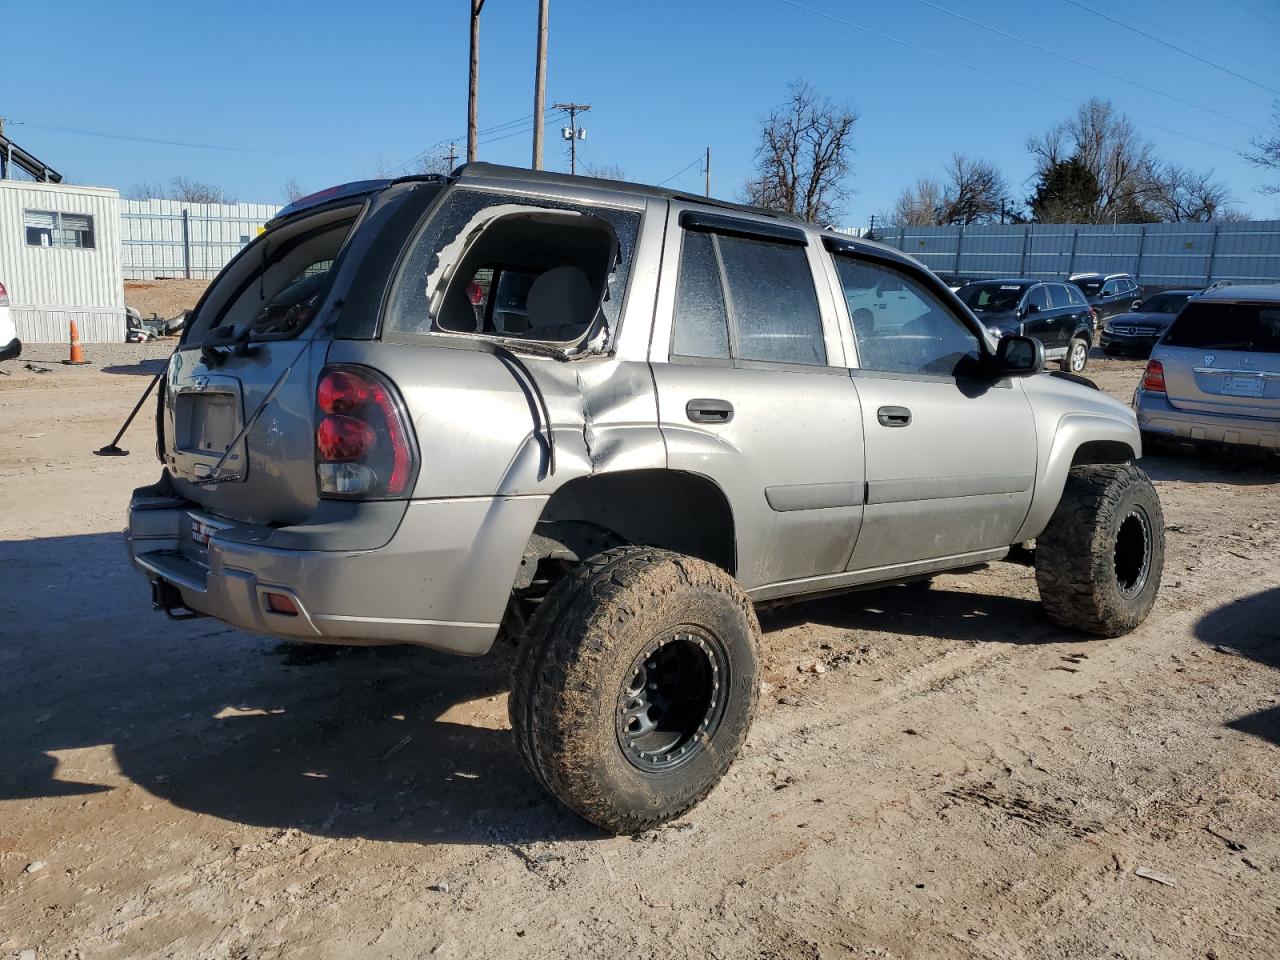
(442, 581)
(1117, 343)
(1157, 416)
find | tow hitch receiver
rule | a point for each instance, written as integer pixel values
(167, 597)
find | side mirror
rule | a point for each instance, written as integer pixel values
(1137, 305)
(1019, 357)
(1031, 308)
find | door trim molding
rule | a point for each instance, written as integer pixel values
(813, 496)
(945, 488)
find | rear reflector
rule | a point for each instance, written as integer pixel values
(1153, 379)
(281, 603)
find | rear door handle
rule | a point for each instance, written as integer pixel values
(893, 416)
(709, 411)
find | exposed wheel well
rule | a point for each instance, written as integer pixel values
(1102, 451)
(677, 511)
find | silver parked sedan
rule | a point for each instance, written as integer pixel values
(1215, 375)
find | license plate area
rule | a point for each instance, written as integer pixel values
(206, 423)
(1237, 386)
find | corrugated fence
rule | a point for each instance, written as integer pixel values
(1157, 254)
(173, 239)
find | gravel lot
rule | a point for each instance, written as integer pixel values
(933, 775)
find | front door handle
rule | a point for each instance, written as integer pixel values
(709, 411)
(893, 416)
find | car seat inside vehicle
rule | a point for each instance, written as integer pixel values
(536, 275)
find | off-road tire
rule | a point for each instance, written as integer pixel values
(577, 658)
(1086, 555)
(1074, 348)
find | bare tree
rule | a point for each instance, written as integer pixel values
(605, 171)
(919, 205)
(1109, 146)
(802, 161)
(196, 191)
(1266, 150)
(975, 193)
(293, 191)
(1188, 195)
(146, 190)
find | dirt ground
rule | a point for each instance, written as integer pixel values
(932, 775)
(166, 298)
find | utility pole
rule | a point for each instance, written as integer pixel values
(871, 230)
(540, 83)
(453, 156)
(707, 171)
(476, 7)
(573, 133)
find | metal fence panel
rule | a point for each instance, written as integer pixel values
(173, 239)
(1158, 254)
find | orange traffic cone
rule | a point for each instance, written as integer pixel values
(77, 354)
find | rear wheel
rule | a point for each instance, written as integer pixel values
(1100, 559)
(636, 685)
(1077, 356)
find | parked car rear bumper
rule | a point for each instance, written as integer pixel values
(1117, 343)
(442, 581)
(1158, 417)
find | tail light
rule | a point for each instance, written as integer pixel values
(364, 447)
(1153, 378)
(4, 296)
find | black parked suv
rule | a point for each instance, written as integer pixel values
(1136, 332)
(1108, 293)
(1056, 314)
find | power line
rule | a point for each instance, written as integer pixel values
(497, 127)
(1080, 63)
(990, 73)
(682, 170)
(1172, 46)
(172, 143)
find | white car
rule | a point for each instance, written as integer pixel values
(10, 345)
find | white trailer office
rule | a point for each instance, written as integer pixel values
(60, 260)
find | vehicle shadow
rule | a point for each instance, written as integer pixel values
(143, 368)
(917, 610)
(383, 743)
(1195, 466)
(396, 743)
(1250, 627)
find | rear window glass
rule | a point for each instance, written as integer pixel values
(1227, 326)
(701, 323)
(991, 297)
(774, 302)
(1089, 287)
(275, 287)
(1165, 303)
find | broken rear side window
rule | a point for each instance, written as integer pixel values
(497, 265)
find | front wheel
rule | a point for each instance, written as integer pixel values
(1077, 356)
(1100, 559)
(636, 685)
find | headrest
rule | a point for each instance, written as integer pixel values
(561, 297)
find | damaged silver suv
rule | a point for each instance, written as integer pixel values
(609, 421)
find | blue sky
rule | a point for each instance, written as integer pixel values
(326, 92)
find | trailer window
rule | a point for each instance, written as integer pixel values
(49, 228)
